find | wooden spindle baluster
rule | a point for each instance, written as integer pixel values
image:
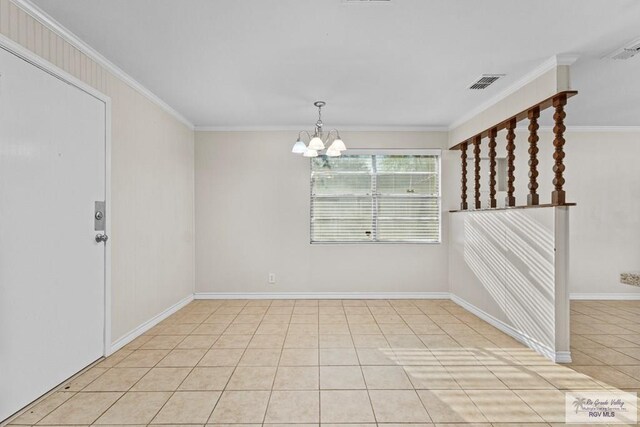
(533, 198)
(463, 156)
(476, 152)
(511, 157)
(558, 196)
(492, 167)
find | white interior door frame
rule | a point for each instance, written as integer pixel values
(37, 61)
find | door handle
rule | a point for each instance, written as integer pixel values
(101, 238)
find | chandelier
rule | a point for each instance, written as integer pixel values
(319, 140)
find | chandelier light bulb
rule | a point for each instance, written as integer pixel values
(337, 145)
(310, 152)
(333, 153)
(299, 147)
(316, 144)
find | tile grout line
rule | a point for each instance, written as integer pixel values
(413, 387)
(176, 389)
(126, 391)
(366, 386)
(237, 363)
(266, 409)
(58, 389)
(194, 366)
(464, 389)
(172, 393)
(50, 393)
(119, 391)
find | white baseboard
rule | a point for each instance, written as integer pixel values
(558, 357)
(126, 339)
(627, 296)
(322, 295)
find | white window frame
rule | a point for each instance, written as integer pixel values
(384, 152)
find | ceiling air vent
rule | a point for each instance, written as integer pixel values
(485, 81)
(626, 52)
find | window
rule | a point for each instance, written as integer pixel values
(376, 197)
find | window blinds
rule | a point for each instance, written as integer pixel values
(375, 198)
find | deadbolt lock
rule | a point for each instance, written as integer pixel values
(98, 216)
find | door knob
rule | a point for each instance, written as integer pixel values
(101, 238)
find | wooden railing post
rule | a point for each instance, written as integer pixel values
(476, 152)
(511, 157)
(533, 198)
(492, 167)
(463, 156)
(558, 196)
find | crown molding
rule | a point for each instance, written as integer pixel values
(341, 128)
(521, 128)
(549, 64)
(48, 21)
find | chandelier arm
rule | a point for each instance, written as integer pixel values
(304, 131)
(336, 131)
(329, 135)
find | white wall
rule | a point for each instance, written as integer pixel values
(152, 182)
(152, 210)
(603, 178)
(510, 265)
(252, 218)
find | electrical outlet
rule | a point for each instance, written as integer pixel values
(272, 278)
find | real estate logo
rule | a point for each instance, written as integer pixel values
(601, 407)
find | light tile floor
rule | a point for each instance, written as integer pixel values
(352, 363)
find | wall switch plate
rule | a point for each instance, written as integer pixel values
(272, 278)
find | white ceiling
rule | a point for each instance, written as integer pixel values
(405, 63)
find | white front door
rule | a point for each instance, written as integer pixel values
(52, 270)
